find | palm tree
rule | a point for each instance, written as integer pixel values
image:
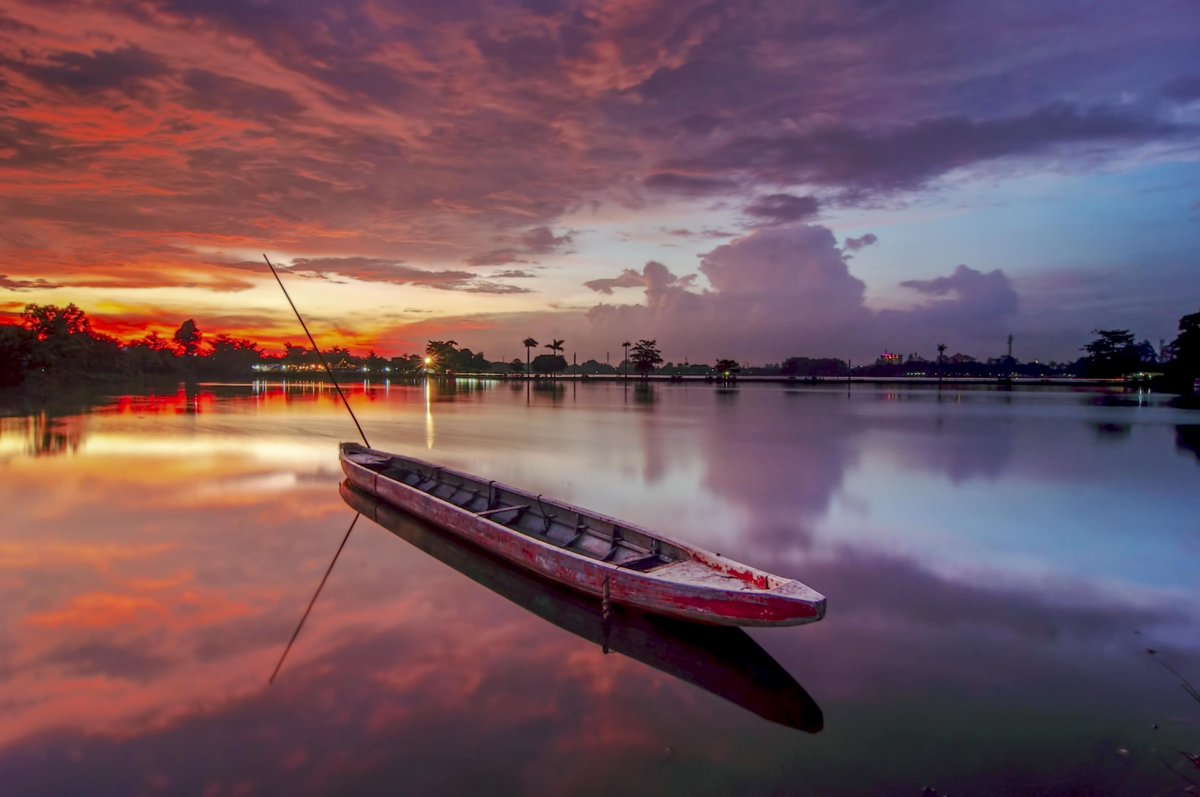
(625, 365)
(528, 343)
(941, 347)
(555, 346)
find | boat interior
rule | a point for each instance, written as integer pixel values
(562, 526)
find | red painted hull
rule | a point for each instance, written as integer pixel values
(745, 604)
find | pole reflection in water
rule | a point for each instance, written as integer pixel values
(313, 602)
(428, 416)
(724, 661)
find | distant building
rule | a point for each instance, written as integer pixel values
(887, 358)
(962, 359)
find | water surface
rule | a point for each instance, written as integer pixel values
(997, 565)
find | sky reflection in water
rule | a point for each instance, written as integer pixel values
(996, 565)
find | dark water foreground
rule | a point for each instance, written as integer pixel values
(999, 566)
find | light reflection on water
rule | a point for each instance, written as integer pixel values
(996, 565)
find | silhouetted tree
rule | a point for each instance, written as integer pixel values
(66, 342)
(470, 362)
(1185, 365)
(528, 343)
(516, 366)
(408, 364)
(150, 354)
(340, 357)
(646, 356)
(49, 321)
(232, 355)
(596, 367)
(727, 368)
(1113, 353)
(16, 351)
(188, 338)
(549, 364)
(625, 363)
(154, 342)
(295, 355)
(374, 362)
(808, 366)
(442, 353)
(556, 346)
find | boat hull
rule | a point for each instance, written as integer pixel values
(724, 661)
(791, 603)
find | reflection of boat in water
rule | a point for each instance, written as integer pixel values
(721, 660)
(584, 550)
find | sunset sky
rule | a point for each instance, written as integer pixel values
(734, 179)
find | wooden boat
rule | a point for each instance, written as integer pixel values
(723, 661)
(598, 555)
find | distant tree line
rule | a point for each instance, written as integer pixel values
(60, 342)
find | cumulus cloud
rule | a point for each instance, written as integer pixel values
(991, 293)
(782, 291)
(785, 267)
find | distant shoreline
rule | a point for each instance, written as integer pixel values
(773, 379)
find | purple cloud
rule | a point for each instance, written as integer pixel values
(14, 284)
(1183, 89)
(688, 184)
(654, 277)
(785, 290)
(855, 244)
(543, 241)
(397, 273)
(496, 257)
(970, 285)
(103, 70)
(783, 208)
(214, 92)
(861, 159)
(683, 232)
(538, 241)
(978, 306)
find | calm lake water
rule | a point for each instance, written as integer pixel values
(998, 566)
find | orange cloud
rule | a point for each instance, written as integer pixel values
(101, 610)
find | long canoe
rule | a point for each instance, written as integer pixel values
(612, 560)
(720, 660)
